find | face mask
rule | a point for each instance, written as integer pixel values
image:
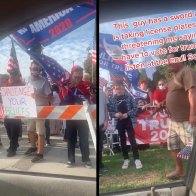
(35, 73)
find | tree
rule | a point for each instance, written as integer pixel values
(162, 72)
(88, 68)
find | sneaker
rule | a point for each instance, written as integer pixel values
(48, 143)
(70, 164)
(126, 164)
(88, 164)
(11, 153)
(37, 158)
(138, 164)
(30, 150)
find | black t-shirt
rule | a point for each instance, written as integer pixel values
(122, 107)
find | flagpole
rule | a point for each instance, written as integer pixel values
(94, 38)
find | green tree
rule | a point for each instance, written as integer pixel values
(88, 68)
(162, 72)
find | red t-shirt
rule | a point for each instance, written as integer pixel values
(84, 87)
(160, 95)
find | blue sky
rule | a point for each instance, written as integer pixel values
(109, 29)
(72, 46)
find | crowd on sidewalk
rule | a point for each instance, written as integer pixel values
(78, 89)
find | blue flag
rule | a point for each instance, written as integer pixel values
(49, 29)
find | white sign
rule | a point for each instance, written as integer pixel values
(17, 101)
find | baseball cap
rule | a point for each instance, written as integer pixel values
(76, 68)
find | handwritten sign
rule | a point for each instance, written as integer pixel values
(17, 101)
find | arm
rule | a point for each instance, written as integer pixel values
(48, 98)
(151, 101)
(132, 108)
(192, 101)
(106, 118)
(111, 108)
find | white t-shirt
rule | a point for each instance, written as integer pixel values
(41, 87)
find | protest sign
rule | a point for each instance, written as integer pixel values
(17, 101)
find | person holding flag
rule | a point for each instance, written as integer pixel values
(78, 91)
(13, 126)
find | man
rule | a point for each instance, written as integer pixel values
(78, 91)
(103, 124)
(123, 107)
(181, 105)
(159, 95)
(42, 96)
(13, 126)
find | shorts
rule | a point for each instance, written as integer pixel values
(36, 125)
(178, 136)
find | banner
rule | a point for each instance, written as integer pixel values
(17, 101)
(148, 131)
(48, 29)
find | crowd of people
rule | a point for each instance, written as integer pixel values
(177, 97)
(78, 89)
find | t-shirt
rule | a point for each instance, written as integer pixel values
(160, 95)
(41, 87)
(56, 99)
(121, 102)
(122, 107)
(177, 101)
(103, 101)
(76, 95)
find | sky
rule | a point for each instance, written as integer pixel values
(109, 29)
(71, 47)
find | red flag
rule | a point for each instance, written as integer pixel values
(94, 57)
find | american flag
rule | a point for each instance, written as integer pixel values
(102, 82)
(13, 61)
(54, 70)
(94, 57)
(185, 153)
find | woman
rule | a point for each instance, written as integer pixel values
(13, 126)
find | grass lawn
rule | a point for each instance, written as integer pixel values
(156, 163)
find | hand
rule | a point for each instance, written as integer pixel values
(105, 125)
(192, 120)
(143, 107)
(125, 116)
(118, 115)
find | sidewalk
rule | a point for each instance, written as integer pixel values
(54, 162)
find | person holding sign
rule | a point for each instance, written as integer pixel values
(123, 107)
(181, 105)
(42, 95)
(13, 126)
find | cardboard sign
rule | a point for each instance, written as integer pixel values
(17, 102)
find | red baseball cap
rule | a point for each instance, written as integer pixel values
(76, 68)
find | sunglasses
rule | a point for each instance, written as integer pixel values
(161, 84)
